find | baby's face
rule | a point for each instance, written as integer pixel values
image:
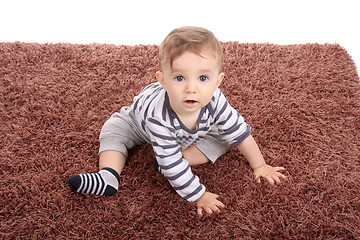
(191, 81)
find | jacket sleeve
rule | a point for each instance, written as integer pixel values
(170, 161)
(230, 123)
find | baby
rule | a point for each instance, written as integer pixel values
(185, 117)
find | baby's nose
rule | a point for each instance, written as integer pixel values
(191, 87)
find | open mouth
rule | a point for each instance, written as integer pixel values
(190, 101)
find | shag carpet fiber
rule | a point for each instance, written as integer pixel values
(303, 102)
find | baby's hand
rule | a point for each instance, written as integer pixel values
(271, 174)
(208, 202)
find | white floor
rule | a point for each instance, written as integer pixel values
(148, 21)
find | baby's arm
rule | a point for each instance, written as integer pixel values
(252, 153)
(208, 202)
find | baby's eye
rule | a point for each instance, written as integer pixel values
(179, 78)
(203, 78)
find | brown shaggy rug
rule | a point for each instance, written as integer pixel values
(303, 102)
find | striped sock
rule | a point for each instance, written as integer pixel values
(105, 182)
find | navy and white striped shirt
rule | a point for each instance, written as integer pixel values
(168, 135)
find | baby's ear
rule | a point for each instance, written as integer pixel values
(160, 77)
(220, 78)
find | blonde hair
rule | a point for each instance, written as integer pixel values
(193, 39)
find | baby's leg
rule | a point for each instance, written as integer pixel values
(194, 156)
(207, 150)
(118, 134)
(112, 159)
(106, 181)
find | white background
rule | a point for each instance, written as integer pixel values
(148, 22)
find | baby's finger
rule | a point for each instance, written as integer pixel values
(215, 209)
(280, 175)
(270, 180)
(257, 179)
(209, 210)
(279, 169)
(200, 212)
(220, 204)
(276, 179)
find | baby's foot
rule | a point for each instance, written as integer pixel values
(105, 182)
